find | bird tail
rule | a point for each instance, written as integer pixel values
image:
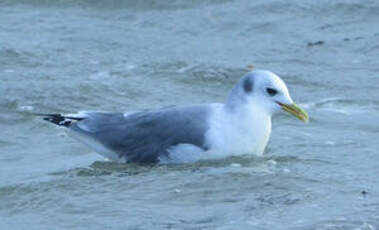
(59, 119)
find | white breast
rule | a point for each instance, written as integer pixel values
(245, 131)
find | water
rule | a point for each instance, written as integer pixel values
(64, 56)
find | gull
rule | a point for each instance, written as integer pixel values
(181, 134)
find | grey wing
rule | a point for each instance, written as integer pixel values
(145, 136)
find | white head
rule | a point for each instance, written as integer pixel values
(265, 89)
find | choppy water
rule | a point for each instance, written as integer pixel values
(64, 56)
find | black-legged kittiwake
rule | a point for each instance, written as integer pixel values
(241, 125)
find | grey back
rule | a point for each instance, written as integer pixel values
(144, 136)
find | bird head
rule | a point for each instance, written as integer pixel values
(266, 89)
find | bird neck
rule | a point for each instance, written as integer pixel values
(250, 126)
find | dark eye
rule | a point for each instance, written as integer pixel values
(271, 91)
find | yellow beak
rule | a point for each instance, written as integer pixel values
(296, 111)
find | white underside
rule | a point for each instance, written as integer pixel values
(183, 153)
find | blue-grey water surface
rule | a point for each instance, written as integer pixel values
(65, 56)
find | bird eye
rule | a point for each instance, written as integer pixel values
(271, 91)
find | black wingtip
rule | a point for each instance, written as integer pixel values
(58, 119)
